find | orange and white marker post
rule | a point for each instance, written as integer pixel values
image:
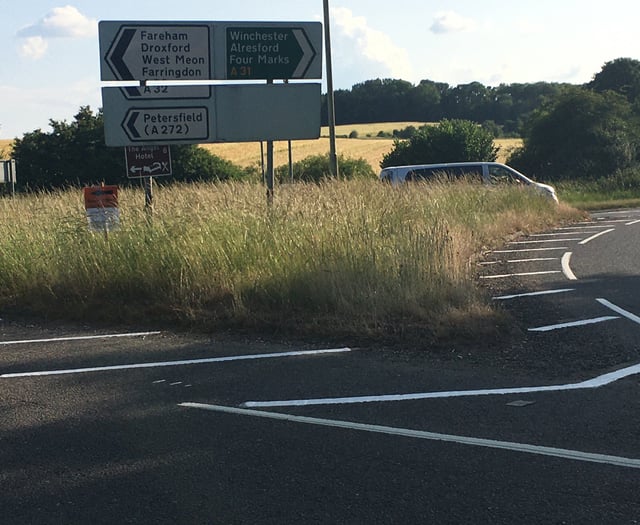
(101, 205)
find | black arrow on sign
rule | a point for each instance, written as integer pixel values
(115, 55)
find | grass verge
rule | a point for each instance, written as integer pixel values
(352, 258)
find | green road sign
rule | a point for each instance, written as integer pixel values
(190, 51)
(268, 53)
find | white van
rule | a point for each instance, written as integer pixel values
(487, 172)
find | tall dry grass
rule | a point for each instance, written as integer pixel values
(353, 257)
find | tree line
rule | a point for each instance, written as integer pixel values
(509, 106)
(393, 100)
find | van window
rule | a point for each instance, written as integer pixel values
(421, 174)
(501, 175)
(472, 173)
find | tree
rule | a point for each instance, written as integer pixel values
(621, 75)
(580, 134)
(75, 154)
(468, 101)
(449, 141)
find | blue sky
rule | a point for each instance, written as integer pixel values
(50, 61)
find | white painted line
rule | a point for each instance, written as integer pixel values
(523, 274)
(607, 213)
(532, 250)
(585, 227)
(532, 294)
(78, 338)
(176, 363)
(489, 263)
(557, 234)
(544, 241)
(535, 259)
(575, 455)
(583, 322)
(596, 236)
(618, 310)
(632, 223)
(566, 268)
(596, 382)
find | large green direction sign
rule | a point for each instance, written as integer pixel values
(268, 53)
(188, 51)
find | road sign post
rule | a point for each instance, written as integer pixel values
(8, 174)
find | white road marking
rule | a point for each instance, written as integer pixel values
(532, 250)
(575, 455)
(78, 338)
(176, 363)
(596, 236)
(566, 268)
(632, 223)
(602, 221)
(556, 234)
(543, 241)
(585, 227)
(532, 294)
(589, 384)
(618, 310)
(509, 261)
(573, 324)
(535, 259)
(523, 274)
(607, 213)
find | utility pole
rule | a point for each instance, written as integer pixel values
(333, 156)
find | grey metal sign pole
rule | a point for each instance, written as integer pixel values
(333, 156)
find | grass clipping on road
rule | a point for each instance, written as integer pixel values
(343, 258)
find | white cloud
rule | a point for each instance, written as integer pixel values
(367, 51)
(60, 22)
(34, 47)
(451, 22)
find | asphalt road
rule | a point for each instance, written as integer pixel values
(169, 428)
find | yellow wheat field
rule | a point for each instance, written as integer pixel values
(367, 146)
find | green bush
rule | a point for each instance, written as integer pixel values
(316, 168)
(449, 141)
(195, 164)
